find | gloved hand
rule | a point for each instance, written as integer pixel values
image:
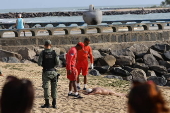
(92, 67)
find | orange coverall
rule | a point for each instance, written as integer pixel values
(82, 60)
(70, 64)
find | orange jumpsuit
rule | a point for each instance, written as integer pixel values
(82, 60)
(70, 64)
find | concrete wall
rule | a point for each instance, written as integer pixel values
(96, 38)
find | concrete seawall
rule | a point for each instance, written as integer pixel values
(96, 39)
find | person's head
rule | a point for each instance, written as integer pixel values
(86, 41)
(17, 96)
(19, 15)
(80, 46)
(47, 44)
(146, 98)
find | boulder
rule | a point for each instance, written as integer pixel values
(164, 63)
(122, 52)
(35, 59)
(159, 70)
(113, 77)
(125, 60)
(140, 60)
(62, 57)
(119, 71)
(166, 76)
(96, 54)
(167, 55)
(141, 66)
(102, 69)
(138, 75)
(27, 53)
(10, 60)
(161, 47)
(4, 53)
(139, 50)
(155, 54)
(38, 51)
(127, 68)
(62, 51)
(57, 50)
(94, 72)
(150, 60)
(26, 61)
(108, 60)
(150, 73)
(161, 81)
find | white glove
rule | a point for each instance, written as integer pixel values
(92, 66)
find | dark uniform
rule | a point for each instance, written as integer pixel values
(48, 59)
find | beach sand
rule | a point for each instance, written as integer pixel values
(65, 104)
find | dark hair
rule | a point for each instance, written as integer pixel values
(17, 96)
(86, 39)
(146, 98)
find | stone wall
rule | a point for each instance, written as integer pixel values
(96, 39)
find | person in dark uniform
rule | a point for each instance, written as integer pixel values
(48, 59)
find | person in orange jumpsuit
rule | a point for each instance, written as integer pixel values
(72, 73)
(82, 62)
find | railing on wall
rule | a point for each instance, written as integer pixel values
(159, 24)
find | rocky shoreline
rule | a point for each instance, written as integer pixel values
(136, 62)
(80, 13)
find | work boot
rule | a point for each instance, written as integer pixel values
(47, 104)
(54, 103)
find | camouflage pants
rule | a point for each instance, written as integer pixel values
(49, 77)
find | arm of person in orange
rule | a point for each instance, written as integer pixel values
(69, 58)
(91, 56)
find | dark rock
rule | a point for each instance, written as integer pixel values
(155, 54)
(140, 60)
(113, 77)
(139, 50)
(57, 50)
(62, 51)
(62, 57)
(158, 80)
(125, 60)
(119, 71)
(94, 72)
(4, 53)
(150, 73)
(141, 66)
(123, 52)
(10, 60)
(27, 53)
(127, 68)
(165, 63)
(167, 55)
(96, 54)
(160, 70)
(150, 60)
(166, 76)
(138, 75)
(161, 47)
(102, 69)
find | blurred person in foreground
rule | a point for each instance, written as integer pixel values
(72, 73)
(49, 59)
(146, 98)
(20, 23)
(17, 96)
(82, 62)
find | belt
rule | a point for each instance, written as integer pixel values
(52, 69)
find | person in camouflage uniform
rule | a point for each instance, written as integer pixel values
(48, 59)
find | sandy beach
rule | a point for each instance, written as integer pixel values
(65, 104)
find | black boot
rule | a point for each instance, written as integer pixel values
(54, 103)
(47, 104)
